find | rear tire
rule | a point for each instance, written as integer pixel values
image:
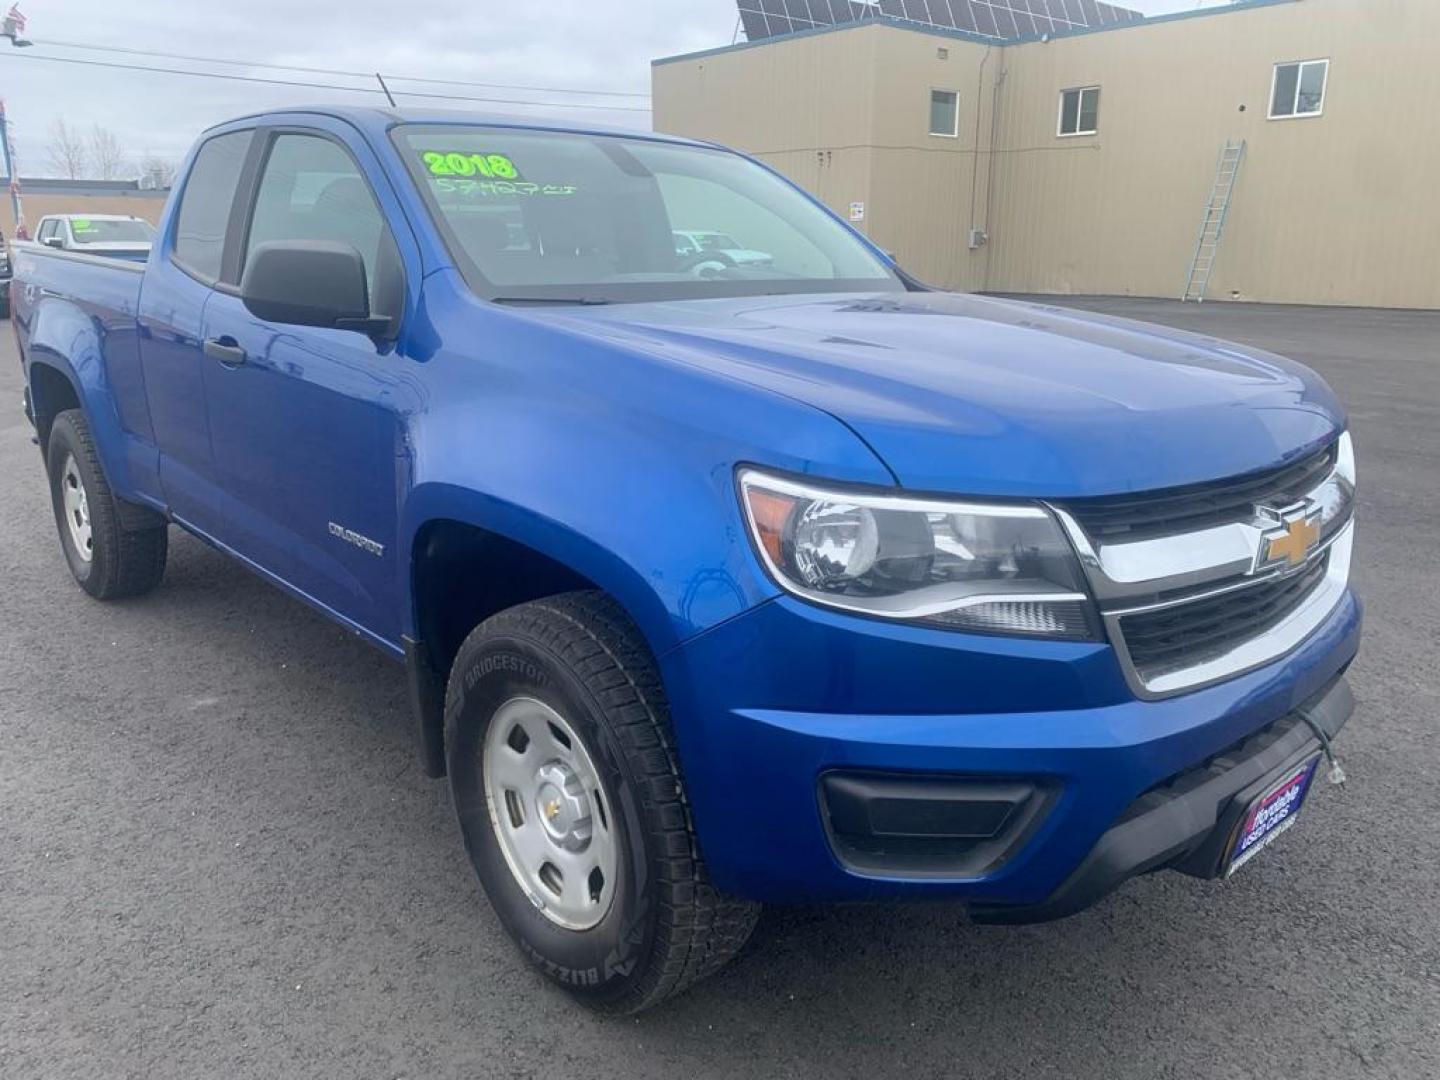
(657, 924)
(109, 560)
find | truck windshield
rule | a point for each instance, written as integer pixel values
(110, 231)
(539, 215)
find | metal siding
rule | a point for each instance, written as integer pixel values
(1333, 209)
(804, 105)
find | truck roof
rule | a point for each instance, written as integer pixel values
(377, 120)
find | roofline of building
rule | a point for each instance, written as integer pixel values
(965, 35)
(51, 185)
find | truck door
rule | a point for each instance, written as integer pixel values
(306, 424)
(173, 295)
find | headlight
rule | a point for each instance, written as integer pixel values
(1336, 496)
(991, 568)
(1345, 459)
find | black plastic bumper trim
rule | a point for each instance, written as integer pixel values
(1185, 823)
(910, 808)
(915, 826)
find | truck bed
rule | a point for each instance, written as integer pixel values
(78, 314)
(98, 285)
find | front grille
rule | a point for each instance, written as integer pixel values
(1187, 634)
(1199, 506)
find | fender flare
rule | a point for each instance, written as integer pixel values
(81, 362)
(438, 501)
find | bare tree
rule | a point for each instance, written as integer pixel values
(106, 154)
(157, 172)
(69, 155)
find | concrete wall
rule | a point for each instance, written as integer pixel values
(1339, 208)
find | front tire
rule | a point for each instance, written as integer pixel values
(109, 560)
(572, 807)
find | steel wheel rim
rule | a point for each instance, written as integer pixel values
(549, 813)
(77, 509)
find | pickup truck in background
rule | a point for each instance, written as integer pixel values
(120, 236)
(726, 250)
(793, 582)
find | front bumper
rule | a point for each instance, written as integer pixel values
(1185, 823)
(769, 704)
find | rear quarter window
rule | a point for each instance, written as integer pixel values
(205, 203)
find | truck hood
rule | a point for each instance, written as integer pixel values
(973, 395)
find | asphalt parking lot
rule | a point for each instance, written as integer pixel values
(219, 859)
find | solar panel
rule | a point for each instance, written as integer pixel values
(1003, 20)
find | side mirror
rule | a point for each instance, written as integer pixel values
(55, 242)
(310, 283)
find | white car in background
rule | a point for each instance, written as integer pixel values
(116, 235)
(694, 243)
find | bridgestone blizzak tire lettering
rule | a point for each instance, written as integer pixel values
(124, 562)
(667, 926)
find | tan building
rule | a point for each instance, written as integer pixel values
(44, 196)
(1083, 162)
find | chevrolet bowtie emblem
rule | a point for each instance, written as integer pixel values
(552, 809)
(1292, 542)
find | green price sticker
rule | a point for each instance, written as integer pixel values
(80, 224)
(495, 166)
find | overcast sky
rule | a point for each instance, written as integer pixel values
(580, 44)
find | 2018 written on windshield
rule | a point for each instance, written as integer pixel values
(483, 174)
(457, 164)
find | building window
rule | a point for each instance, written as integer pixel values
(944, 113)
(1080, 111)
(1298, 89)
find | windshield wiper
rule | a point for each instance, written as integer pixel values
(585, 300)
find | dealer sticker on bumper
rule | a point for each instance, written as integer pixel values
(1270, 815)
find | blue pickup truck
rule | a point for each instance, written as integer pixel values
(715, 584)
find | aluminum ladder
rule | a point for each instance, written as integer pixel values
(1212, 224)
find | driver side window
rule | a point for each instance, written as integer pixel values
(311, 189)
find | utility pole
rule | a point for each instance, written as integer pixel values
(12, 27)
(12, 174)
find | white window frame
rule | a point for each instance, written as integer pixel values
(1271, 114)
(1060, 131)
(930, 112)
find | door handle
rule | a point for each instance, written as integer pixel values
(225, 349)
